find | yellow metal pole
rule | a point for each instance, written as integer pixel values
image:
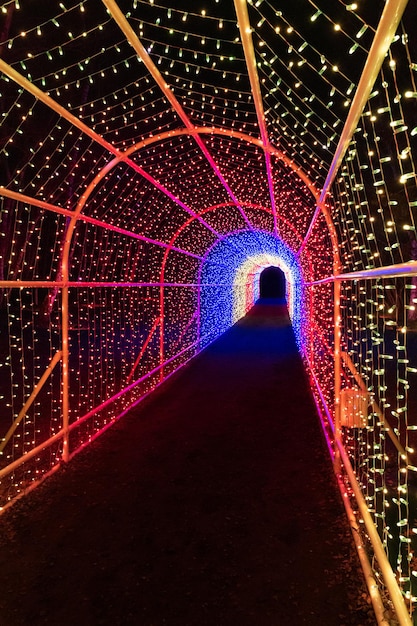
(30, 454)
(384, 35)
(120, 19)
(31, 399)
(409, 268)
(120, 156)
(380, 554)
(52, 104)
(370, 581)
(383, 562)
(248, 49)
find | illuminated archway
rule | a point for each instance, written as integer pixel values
(246, 288)
(230, 281)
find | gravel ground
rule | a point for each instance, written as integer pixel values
(213, 503)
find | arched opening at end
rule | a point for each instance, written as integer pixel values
(272, 283)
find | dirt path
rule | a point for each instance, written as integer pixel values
(212, 504)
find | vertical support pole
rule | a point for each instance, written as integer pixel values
(312, 332)
(337, 373)
(161, 327)
(65, 372)
(198, 337)
(64, 273)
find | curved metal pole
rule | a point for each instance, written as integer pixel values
(145, 143)
(234, 134)
(202, 130)
(271, 150)
(221, 237)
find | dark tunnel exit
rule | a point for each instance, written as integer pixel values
(272, 283)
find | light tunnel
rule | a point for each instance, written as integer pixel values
(155, 159)
(205, 277)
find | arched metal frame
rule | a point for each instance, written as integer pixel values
(388, 24)
(75, 215)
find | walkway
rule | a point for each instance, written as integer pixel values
(212, 504)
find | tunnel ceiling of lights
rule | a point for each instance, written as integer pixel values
(309, 59)
(140, 138)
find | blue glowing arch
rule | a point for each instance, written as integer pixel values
(231, 270)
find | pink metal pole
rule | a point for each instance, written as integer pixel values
(20, 284)
(136, 44)
(8, 193)
(142, 351)
(337, 375)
